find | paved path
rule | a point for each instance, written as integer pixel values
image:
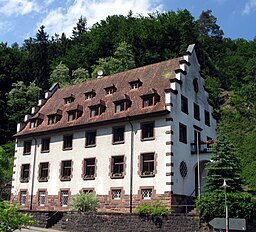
(36, 229)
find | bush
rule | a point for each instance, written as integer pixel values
(84, 202)
(240, 205)
(11, 219)
(154, 211)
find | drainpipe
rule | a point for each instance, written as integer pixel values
(131, 164)
(33, 175)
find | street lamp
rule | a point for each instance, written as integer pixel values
(226, 205)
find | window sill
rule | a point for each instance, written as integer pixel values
(67, 149)
(88, 146)
(45, 151)
(28, 153)
(24, 180)
(89, 178)
(118, 142)
(147, 139)
(113, 176)
(145, 175)
(43, 180)
(65, 179)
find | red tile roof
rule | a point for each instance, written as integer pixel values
(156, 76)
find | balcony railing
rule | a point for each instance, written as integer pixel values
(204, 147)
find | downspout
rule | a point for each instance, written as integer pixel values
(131, 164)
(33, 175)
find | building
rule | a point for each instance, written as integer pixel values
(129, 137)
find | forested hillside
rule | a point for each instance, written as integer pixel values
(122, 42)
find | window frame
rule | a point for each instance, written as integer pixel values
(196, 111)
(144, 131)
(42, 177)
(27, 147)
(86, 166)
(207, 120)
(183, 134)
(117, 133)
(90, 136)
(39, 198)
(25, 173)
(147, 172)
(45, 143)
(67, 141)
(67, 195)
(23, 197)
(120, 165)
(184, 104)
(63, 176)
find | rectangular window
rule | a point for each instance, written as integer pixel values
(196, 112)
(45, 147)
(64, 198)
(43, 171)
(71, 116)
(116, 194)
(148, 164)
(148, 101)
(87, 190)
(27, 148)
(119, 106)
(146, 194)
(66, 170)
(90, 139)
(147, 131)
(95, 111)
(23, 198)
(184, 104)
(117, 166)
(33, 124)
(89, 168)
(207, 118)
(41, 198)
(118, 134)
(51, 119)
(67, 142)
(182, 133)
(24, 175)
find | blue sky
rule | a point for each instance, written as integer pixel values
(20, 19)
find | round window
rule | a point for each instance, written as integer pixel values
(195, 84)
(183, 169)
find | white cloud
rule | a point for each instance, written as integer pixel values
(18, 7)
(64, 19)
(249, 7)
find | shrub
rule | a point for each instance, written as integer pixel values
(11, 219)
(154, 211)
(240, 205)
(84, 202)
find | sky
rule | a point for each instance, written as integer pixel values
(21, 19)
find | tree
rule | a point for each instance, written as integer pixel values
(80, 28)
(61, 75)
(21, 99)
(84, 202)
(80, 75)
(123, 60)
(224, 165)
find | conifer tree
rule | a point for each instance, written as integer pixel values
(224, 165)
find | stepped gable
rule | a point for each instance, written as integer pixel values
(153, 78)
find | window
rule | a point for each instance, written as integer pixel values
(51, 119)
(33, 124)
(87, 190)
(110, 90)
(184, 104)
(135, 84)
(196, 112)
(27, 148)
(70, 99)
(89, 168)
(41, 198)
(23, 198)
(90, 138)
(45, 147)
(67, 142)
(147, 131)
(148, 101)
(54, 118)
(64, 198)
(147, 164)
(117, 166)
(95, 111)
(120, 106)
(66, 170)
(118, 135)
(24, 175)
(90, 95)
(146, 194)
(207, 118)
(98, 109)
(71, 115)
(43, 171)
(195, 84)
(116, 194)
(182, 133)
(183, 169)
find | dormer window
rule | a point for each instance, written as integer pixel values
(90, 95)
(69, 99)
(98, 109)
(54, 118)
(122, 105)
(150, 99)
(110, 90)
(75, 113)
(36, 121)
(135, 84)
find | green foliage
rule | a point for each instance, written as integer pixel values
(84, 202)
(224, 165)
(240, 205)
(154, 211)
(11, 219)
(60, 75)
